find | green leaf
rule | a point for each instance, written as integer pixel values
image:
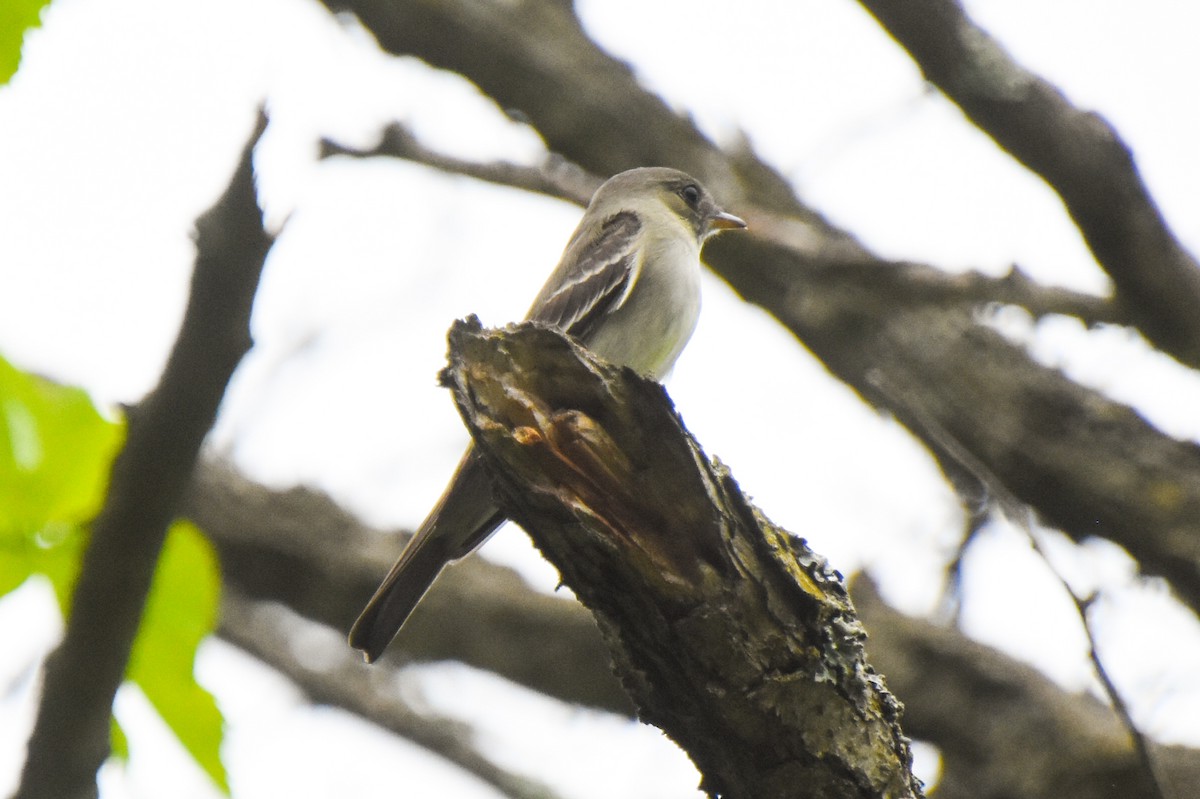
(16, 17)
(181, 611)
(56, 451)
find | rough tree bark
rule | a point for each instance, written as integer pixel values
(730, 635)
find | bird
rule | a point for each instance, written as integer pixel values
(628, 288)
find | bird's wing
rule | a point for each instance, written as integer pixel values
(598, 282)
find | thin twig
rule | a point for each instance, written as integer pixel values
(1021, 514)
(1027, 522)
(557, 177)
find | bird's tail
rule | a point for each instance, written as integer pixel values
(463, 519)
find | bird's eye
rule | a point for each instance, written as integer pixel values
(691, 195)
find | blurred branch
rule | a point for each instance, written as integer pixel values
(1003, 728)
(965, 292)
(1078, 153)
(534, 59)
(344, 681)
(730, 635)
(555, 178)
(298, 548)
(70, 739)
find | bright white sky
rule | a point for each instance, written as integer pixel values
(123, 125)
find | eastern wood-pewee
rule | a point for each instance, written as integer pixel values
(628, 288)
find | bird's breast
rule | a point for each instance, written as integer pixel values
(650, 329)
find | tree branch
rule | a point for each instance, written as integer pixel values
(344, 681)
(299, 549)
(70, 739)
(1076, 152)
(535, 60)
(556, 178)
(731, 636)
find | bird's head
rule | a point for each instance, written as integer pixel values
(680, 193)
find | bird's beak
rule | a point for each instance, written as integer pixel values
(723, 220)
